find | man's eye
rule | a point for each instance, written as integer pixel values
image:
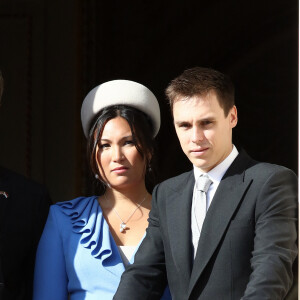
(184, 125)
(205, 123)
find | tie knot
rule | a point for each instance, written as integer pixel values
(203, 183)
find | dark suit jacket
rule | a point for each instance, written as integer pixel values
(247, 245)
(22, 218)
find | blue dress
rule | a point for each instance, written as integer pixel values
(77, 255)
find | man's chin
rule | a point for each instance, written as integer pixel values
(201, 164)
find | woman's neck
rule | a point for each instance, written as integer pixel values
(133, 194)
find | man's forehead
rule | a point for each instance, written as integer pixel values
(197, 99)
(201, 96)
(200, 107)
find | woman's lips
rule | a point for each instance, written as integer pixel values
(120, 170)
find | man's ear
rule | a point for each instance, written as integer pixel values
(233, 118)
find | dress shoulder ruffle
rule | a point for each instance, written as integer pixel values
(87, 220)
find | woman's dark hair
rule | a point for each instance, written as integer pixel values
(142, 134)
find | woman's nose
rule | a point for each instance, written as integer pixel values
(117, 154)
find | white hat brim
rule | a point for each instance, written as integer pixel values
(120, 92)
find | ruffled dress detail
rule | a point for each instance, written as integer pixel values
(87, 220)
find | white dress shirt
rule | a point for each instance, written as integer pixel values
(215, 175)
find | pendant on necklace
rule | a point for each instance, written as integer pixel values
(122, 227)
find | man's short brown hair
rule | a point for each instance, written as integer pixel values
(200, 81)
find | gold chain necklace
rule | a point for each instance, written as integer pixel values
(123, 225)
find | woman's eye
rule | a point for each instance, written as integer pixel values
(104, 146)
(129, 142)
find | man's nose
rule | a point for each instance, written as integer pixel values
(197, 135)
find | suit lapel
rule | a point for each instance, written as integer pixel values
(179, 224)
(225, 202)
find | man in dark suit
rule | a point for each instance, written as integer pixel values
(24, 208)
(227, 229)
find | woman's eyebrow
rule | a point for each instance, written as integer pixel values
(123, 138)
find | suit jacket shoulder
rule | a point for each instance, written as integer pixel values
(177, 182)
(262, 170)
(21, 184)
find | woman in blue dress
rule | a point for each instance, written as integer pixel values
(87, 242)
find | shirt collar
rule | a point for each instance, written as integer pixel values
(218, 171)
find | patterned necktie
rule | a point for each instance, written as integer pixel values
(199, 208)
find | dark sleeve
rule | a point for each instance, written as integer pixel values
(146, 277)
(275, 242)
(41, 208)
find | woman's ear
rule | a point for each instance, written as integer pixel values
(101, 175)
(148, 160)
(97, 158)
(99, 167)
